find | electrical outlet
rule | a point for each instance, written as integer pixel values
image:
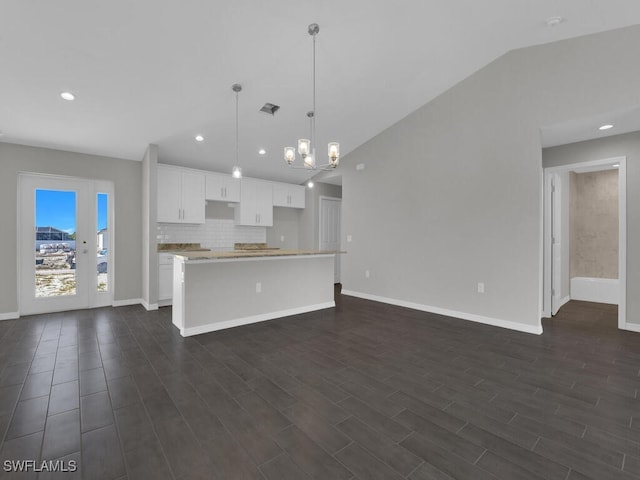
(258, 287)
(349, 238)
(282, 238)
(367, 274)
(480, 287)
(360, 166)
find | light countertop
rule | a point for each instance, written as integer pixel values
(193, 256)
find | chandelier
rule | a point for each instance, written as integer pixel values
(306, 147)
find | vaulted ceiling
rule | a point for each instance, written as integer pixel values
(160, 71)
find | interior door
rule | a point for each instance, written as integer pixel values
(65, 247)
(330, 210)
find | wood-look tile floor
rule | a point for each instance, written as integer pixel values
(365, 390)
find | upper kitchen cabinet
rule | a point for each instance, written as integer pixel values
(287, 195)
(256, 203)
(181, 195)
(222, 188)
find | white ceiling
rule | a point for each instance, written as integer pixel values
(160, 71)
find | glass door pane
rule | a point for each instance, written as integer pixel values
(55, 246)
(102, 242)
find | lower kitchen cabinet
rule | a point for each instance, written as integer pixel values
(165, 279)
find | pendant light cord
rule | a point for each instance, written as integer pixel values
(313, 119)
(237, 129)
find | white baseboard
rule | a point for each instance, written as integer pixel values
(521, 327)
(561, 303)
(127, 302)
(632, 327)
(601, 290)
(236, 322)
(149, 306)
(9, 316)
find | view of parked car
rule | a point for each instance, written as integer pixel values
(102, 261)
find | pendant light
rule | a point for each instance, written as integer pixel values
(306, 147)
(237, 171)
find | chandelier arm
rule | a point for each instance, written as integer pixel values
(302, 167)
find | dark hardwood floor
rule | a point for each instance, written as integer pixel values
(364, 390)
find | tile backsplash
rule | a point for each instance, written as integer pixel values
(214, 233)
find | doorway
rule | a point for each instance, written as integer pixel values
(557, 283)
(65, 243)
(329, 228)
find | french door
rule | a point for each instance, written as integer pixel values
(65, 242)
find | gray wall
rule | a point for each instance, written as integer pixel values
(149, 216)
(593, 221)
(286, 222)
(127, 179)
(309, 237)
(451, 195)
(616, 146)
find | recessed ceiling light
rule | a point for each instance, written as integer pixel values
(310, 184)
(68, 96)
(615, 165)
(605, 127)
(199, 138)
(262, 151)
(554, 21)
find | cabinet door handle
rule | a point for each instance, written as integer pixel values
(225, 192)
(221, 192)
(179, 214)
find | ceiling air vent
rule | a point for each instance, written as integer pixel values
(270, 108)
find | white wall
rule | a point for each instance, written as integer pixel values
(451, 195)
(127, 179)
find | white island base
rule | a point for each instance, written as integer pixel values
(216, 293)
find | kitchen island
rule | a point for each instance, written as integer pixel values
(218, 290)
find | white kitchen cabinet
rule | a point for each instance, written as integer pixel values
(181, 195)
(256, 203)
(222, 188)
(165, 279)
(288, 195)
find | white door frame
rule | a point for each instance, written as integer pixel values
(27, 183)
(594, 165)
(338, 263)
